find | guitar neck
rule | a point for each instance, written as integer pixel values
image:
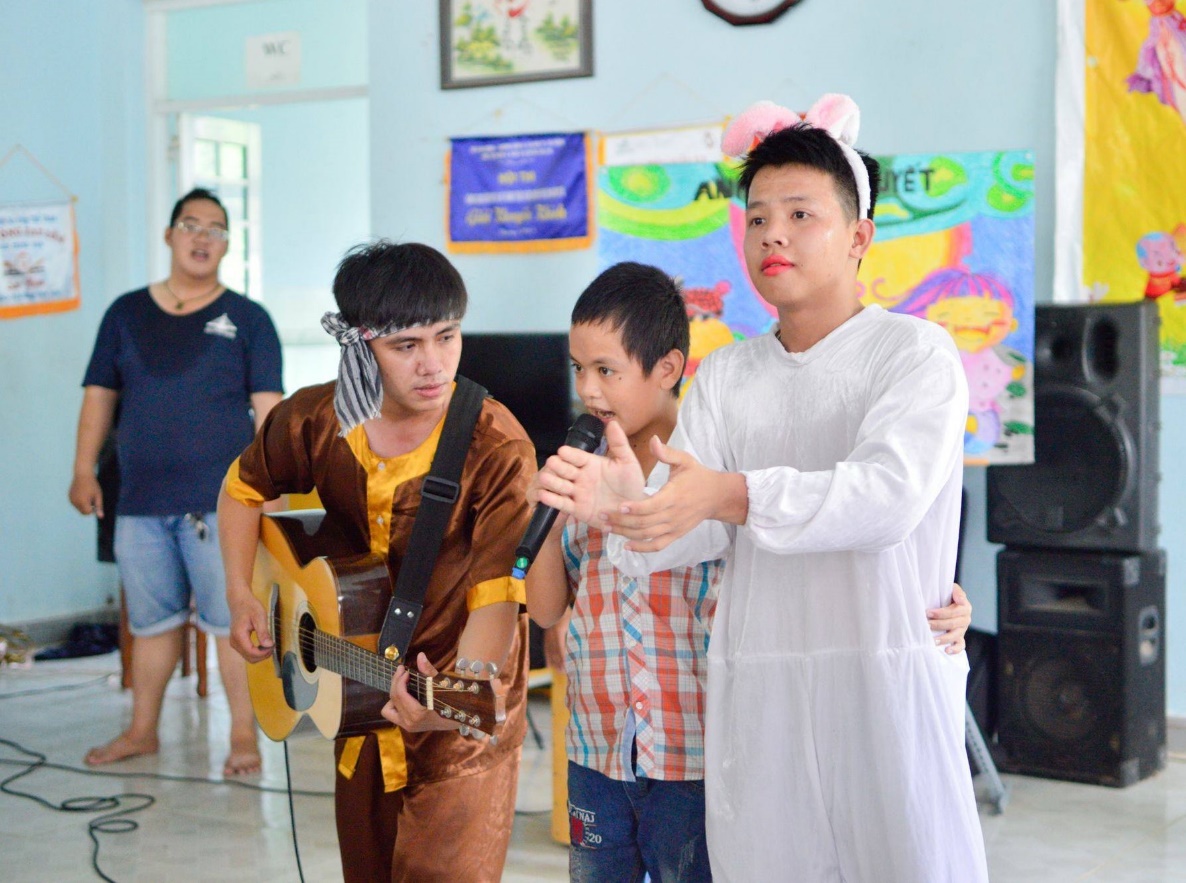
(359, 664)
(354, 662)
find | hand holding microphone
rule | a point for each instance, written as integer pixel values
(585, 435)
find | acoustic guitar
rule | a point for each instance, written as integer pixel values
(326, 607)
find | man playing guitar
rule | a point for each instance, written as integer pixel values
(421, 800)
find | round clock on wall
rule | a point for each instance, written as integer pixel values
(748, 12)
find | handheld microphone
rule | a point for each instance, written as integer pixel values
(585, 435)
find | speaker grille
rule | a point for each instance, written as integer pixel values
(1081, 672)
(1082, 471)
(1061, 698)
(1093, 484)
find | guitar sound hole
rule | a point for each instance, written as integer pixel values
(305, 629)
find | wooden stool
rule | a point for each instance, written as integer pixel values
(187, 665)
(559, 758)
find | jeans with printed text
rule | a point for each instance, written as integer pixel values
(622, 831)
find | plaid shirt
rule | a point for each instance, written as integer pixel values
(636, 663)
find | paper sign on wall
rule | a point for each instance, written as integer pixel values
(39, 253)
(274, 60)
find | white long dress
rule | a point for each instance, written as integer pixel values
(834, 726)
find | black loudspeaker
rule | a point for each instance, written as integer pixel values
(529, 373)
(1081, 656)
(1093, 484)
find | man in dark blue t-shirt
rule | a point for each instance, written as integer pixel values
(194, 369)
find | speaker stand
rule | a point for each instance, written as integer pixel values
(997, 792)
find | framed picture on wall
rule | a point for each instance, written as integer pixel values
(493, 42)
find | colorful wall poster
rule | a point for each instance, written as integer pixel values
(954, 245)
(39, 250)
(682, 218)
(1127, 127)
(519, 193)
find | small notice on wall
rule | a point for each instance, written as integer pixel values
(274, 60)
(519, 193)
(39, 251)
(662, 146)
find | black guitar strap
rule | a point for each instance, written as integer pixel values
(442, 486)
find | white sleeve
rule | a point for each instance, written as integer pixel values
(696, 432)
(907, 445)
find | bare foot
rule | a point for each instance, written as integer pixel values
(243, 759)
(121, 747)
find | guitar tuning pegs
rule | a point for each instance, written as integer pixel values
(482, 669)
(446, 713)
(468, 729)
(462, 664)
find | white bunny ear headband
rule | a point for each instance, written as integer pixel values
(836, 114)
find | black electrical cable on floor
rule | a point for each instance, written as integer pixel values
(116, 822)
(164, 777)
(296, 850)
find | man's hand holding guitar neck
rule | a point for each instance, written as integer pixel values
(488, 635)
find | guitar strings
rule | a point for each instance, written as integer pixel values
(381, 669)
(375, 665)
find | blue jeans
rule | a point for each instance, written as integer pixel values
(163, 562)
(621, 831)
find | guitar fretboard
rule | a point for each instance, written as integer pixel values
(351, 661)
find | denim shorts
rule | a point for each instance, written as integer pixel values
(164, 561)
(621, 831)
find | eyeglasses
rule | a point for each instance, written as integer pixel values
(218, 234)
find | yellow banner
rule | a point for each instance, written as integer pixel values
(1134, 177)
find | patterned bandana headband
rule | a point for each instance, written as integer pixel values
(359, 394)
(836, 114)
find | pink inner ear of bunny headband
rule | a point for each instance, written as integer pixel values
(835, 113)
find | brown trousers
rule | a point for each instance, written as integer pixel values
(452, 831)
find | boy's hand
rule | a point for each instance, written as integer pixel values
(952, 621)
(693, 493)
(586, 485)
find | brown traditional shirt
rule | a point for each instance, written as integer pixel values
(298, 450)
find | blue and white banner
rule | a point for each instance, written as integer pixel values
(519, 193)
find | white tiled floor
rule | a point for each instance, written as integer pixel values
(209, 830)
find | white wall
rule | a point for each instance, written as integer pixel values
(70, 92)
(316, 205)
